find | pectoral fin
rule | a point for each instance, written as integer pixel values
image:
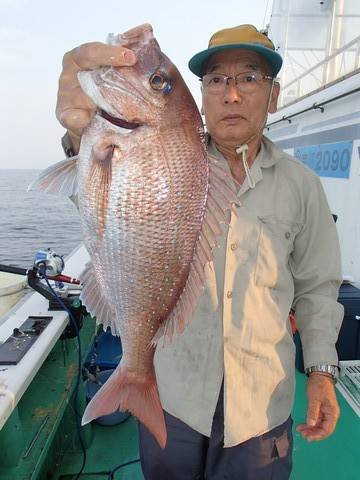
(60, 178)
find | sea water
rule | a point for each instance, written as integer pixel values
(32, 221)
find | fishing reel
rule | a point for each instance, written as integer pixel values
(49, 262)
(49, 265)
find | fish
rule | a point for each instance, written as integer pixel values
(151, 202)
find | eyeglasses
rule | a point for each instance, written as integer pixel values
(247, 82)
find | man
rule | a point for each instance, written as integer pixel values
(227, 383)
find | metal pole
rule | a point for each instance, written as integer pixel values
(327, 67)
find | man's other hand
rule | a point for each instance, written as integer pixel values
(323, 408)
(74, 109)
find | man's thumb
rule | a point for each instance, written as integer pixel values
(313, 413)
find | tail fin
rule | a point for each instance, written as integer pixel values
(123, 392)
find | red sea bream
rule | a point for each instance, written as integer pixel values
(150, 202)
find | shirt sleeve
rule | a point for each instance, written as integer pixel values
(316, 267)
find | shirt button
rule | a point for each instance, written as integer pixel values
(287, 235)
(229, 294)
(233, 246)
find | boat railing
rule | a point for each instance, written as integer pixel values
(341, 62)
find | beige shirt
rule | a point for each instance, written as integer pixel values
(281, 250)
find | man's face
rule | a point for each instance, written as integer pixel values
(233, 117)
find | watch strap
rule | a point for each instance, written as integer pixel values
(331, 370)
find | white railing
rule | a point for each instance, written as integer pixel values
(301, 75)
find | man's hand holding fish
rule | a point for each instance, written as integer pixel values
(74, 108)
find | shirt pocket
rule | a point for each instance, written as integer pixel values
(276, 242)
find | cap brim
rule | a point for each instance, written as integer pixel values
(197, 62)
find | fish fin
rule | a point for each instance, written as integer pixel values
(141, 398)
(95, 301)
(99, 180)
(220, 199)
(60, 178)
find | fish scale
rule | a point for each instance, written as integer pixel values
(145, 191)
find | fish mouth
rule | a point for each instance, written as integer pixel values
(119, 122)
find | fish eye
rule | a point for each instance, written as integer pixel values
(158, 81)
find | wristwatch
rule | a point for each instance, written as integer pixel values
(332, 370)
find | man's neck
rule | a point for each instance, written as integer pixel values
(235, 160)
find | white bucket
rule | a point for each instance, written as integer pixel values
(11, 290)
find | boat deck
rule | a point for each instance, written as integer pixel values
(334, 459)
(110, 447)
(39, 440)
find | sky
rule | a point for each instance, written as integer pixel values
(35, 34)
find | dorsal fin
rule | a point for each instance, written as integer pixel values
(220, 200)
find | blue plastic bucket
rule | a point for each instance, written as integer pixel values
(92, 387)
(106, 352)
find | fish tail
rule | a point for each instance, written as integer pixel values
(122, 392)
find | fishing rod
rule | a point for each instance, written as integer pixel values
(54, 264)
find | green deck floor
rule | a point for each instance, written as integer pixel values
(337, 458)
(110, 447)
(39, 441)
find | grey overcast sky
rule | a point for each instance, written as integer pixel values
(34, 35)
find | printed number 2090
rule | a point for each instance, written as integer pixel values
(327, 160)
(332, 160)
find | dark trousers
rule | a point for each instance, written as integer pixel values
(188, 455)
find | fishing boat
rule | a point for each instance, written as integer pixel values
(318, 122)
(43, 359)
(319, 116)
(52, 355)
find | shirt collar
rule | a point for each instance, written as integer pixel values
(265, 158)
